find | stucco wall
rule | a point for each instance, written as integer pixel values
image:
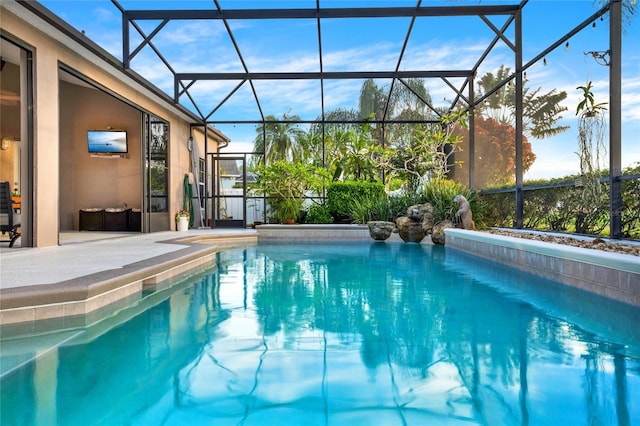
(96, 181)
(46, 146)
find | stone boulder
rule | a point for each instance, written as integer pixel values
(380, 230)
(437, 233)
(419, 211)
(410, 230)
(427, 219)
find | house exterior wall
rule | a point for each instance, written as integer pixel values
(50, 50)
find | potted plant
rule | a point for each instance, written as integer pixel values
(287, 210)
(16, 198)
(286, 184)
(182, 220)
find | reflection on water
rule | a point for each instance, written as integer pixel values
(379, 333)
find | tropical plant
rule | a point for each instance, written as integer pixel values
(318, 213)
(440, 194)
(372, 100)
(310, 146)
(360, 211)
(406, 100)
(353, 154)
(182, 213)
(286, 184)
(398, 203)
(341, 196)
(428, 155)
(591, 149)
(277, 139)
(381, 208)
(371, 106)
(495, 153)
(286, 210)
(495, 127)
(541, 112)
(374, 207)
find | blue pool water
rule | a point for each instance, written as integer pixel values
(337, 334)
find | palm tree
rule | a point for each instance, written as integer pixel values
(278, 139)
(335, 137)
(372, 100)
(371, 106)
(541, 112)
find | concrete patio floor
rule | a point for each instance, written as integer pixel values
(85, 253)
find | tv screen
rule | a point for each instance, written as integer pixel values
(107, 141)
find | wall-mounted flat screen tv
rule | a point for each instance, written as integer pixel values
(107, 141)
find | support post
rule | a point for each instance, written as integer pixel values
(126, 60)
(615, 127)
(519, 126)
(472, 136)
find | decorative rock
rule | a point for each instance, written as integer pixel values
(427, 220)
(418, 211)
(410, 231)
(437, 234)
(380, 230)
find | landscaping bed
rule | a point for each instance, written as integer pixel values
(596, 243)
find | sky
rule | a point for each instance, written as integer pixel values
(371, 44)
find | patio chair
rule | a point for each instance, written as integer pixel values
(9, 218)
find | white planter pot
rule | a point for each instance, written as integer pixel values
(183, 224)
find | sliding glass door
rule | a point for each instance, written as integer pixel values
(16, 131)
(156, 176)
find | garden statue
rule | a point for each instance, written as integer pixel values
(464, 212)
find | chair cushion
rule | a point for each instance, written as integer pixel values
(4, 219)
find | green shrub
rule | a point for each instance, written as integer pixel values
(500, 209)
(553, 207)
(560, 207)
(318, 213)
(398, 204)
(286, 184)
(364, 209)
(342, 195)
(440, 194)
(630, 215)
(380, 208)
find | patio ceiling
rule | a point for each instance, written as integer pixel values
(235, 88)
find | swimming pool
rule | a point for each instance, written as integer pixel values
(333, 334)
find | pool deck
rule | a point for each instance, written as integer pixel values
(89, 271)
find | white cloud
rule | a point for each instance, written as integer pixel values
(103, 14)
(191, 32)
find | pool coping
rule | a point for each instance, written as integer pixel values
(313, 232)
(612, 275)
